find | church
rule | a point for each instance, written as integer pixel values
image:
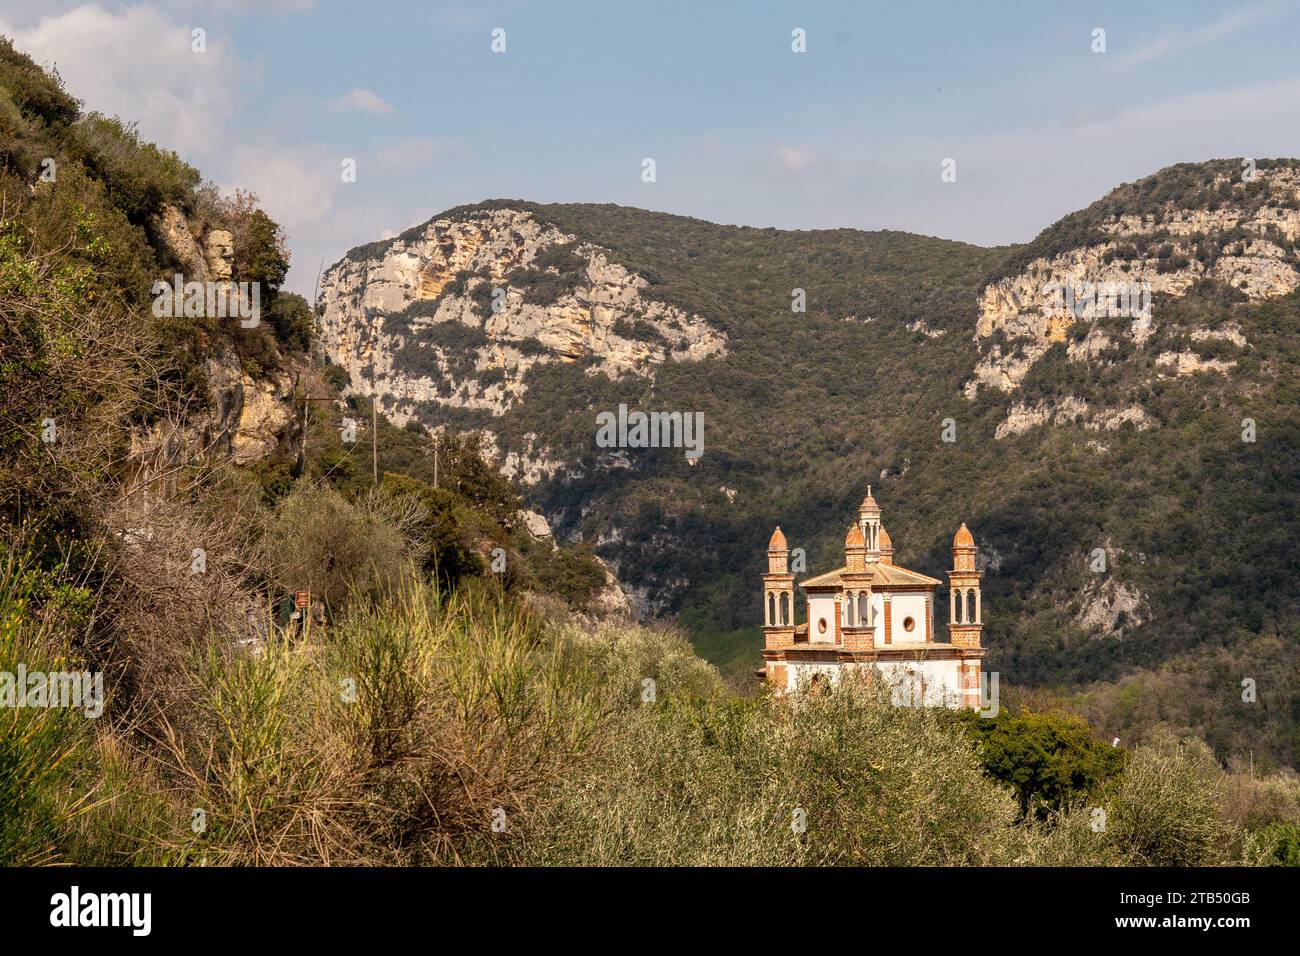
(872, 615)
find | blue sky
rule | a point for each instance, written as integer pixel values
(742, 130)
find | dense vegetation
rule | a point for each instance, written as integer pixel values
(464, 729)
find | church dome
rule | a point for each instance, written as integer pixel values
(869, 505)
(778, 541)
(854, 538)
(886, 543)
(963, 539)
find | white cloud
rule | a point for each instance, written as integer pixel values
(365, 101)
(137, 64)
(1178, 41)
(297, 185)
(794, 160)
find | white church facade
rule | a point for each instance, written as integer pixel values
(876, 618)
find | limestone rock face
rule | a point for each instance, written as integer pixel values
(612, 600)
(254, 416)
(1021, 316)
(220, 252)
(535, 524)
(1109, 608)
(390, 318)
(247, 418)
(175, 232)
(1024, 417)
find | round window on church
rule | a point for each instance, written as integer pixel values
(909, 624)
(821, 626)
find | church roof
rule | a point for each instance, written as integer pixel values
(963, 538)
(882, 574)
(778, 541)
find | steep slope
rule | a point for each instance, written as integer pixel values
(1087, 418)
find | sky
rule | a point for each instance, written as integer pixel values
(853, 132)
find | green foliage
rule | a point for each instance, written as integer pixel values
(450, 556)
(260, 251)
(65, 789)
(1048, 760)
(139, 178)
(572, 573)
(37, 93)
(290, 316)
(338, 549)
(1282, 843)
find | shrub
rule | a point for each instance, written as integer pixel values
(338, 549)
(1164, 810)
(713, 780)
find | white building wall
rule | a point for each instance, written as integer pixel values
(911, 683)
(821, 607)
(799, 676)
(927, 683)
(907, 604)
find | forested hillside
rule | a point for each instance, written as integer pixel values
(1071, 436)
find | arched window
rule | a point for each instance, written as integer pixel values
(970, 606)
(848, 609)
(771, 608)
(786, 617)
(864, 608)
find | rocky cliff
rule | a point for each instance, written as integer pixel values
(246, 417)
(1246, 242)
(457, 312)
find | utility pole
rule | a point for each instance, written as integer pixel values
(374, 417)
(306, 422)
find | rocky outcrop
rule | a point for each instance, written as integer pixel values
(1023, 417)
(1022, 316)
(1110, 607)
(1189, 363)
(448, 315)
(534, 522)
(611, 600)
(245, 418)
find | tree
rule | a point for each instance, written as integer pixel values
(1047, 759)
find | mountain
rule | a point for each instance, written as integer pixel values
(1079, 428)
